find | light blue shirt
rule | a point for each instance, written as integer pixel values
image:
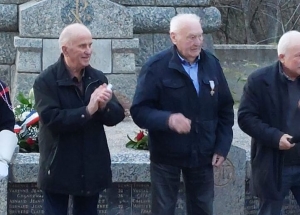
(192, 71)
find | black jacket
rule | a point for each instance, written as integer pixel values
(164, 88)
(74, 156)
(7, 117)
(262, 115)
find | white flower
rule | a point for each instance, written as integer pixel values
(24, 115)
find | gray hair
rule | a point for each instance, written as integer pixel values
(178, 21)
(287, 40)
(68, 33)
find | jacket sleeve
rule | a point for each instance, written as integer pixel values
(145, 106)
(50, 111)
(112, 114)
(224, 133)
(249, 116)
(7, 117)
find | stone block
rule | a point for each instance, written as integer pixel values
(23, 83)
(101, 58)
(123, 63)
(13, 80)
(123, 84)
(145, 49)
(230, 183)
(208, 43)
(26, 171)
(7, 51)
(161, 42)
(203, 3)
(135, 2)
(125, 45)
(151, 19)
(28, 61)
(5, 74)
(102, 55)
(51, 52)
(104, 18)
(8, 17)
(3, 195)
(13, 1)
(210, 17)
(28, 44)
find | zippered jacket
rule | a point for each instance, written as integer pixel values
(74, 155)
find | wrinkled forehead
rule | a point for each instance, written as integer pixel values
(190, 28)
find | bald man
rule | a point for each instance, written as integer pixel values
(183, 99)
(74, 102)
(269, 112)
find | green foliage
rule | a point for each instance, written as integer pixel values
(27, 134)
(139, 142)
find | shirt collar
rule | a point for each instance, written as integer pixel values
(183, 61)
(284, 76)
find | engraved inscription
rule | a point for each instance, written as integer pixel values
(121, 198)
(24, 199)
(79, 11)
(224, 174)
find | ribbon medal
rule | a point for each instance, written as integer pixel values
(212, 87)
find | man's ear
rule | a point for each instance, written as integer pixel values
(64, 51)
(173, 38)
(281, 58)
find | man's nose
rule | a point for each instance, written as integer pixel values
(88, 50)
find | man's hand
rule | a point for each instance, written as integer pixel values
(99, 98)
(179, 123)
(217, 160)
(104, 95)
(284, 143)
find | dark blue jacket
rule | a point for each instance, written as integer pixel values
(7, 117)
(164, 88)
(74, 155)
(262, 115)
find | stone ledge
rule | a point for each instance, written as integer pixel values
(125, 45)
(13, 1)
(8, 17)
(239, 46)
(28, 44)
(129, 165)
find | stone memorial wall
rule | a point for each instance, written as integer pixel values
(130, 194)
(126, 33)
(122, 198)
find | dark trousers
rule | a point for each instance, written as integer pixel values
(290, 181)
(57, 204)
(198, 183)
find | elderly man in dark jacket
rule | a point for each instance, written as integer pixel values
(183, 99)
(74, 102)
(270, 113)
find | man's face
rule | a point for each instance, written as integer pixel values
(291, 60)
(79, 50)
(189, 40)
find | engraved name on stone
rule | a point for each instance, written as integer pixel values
(24, 199)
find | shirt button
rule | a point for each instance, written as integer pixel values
(82, 116)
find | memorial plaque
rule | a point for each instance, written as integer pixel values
(290, 206)
(24, 199)
(120, 199)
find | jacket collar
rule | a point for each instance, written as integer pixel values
(176, 62)
(63, 75)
